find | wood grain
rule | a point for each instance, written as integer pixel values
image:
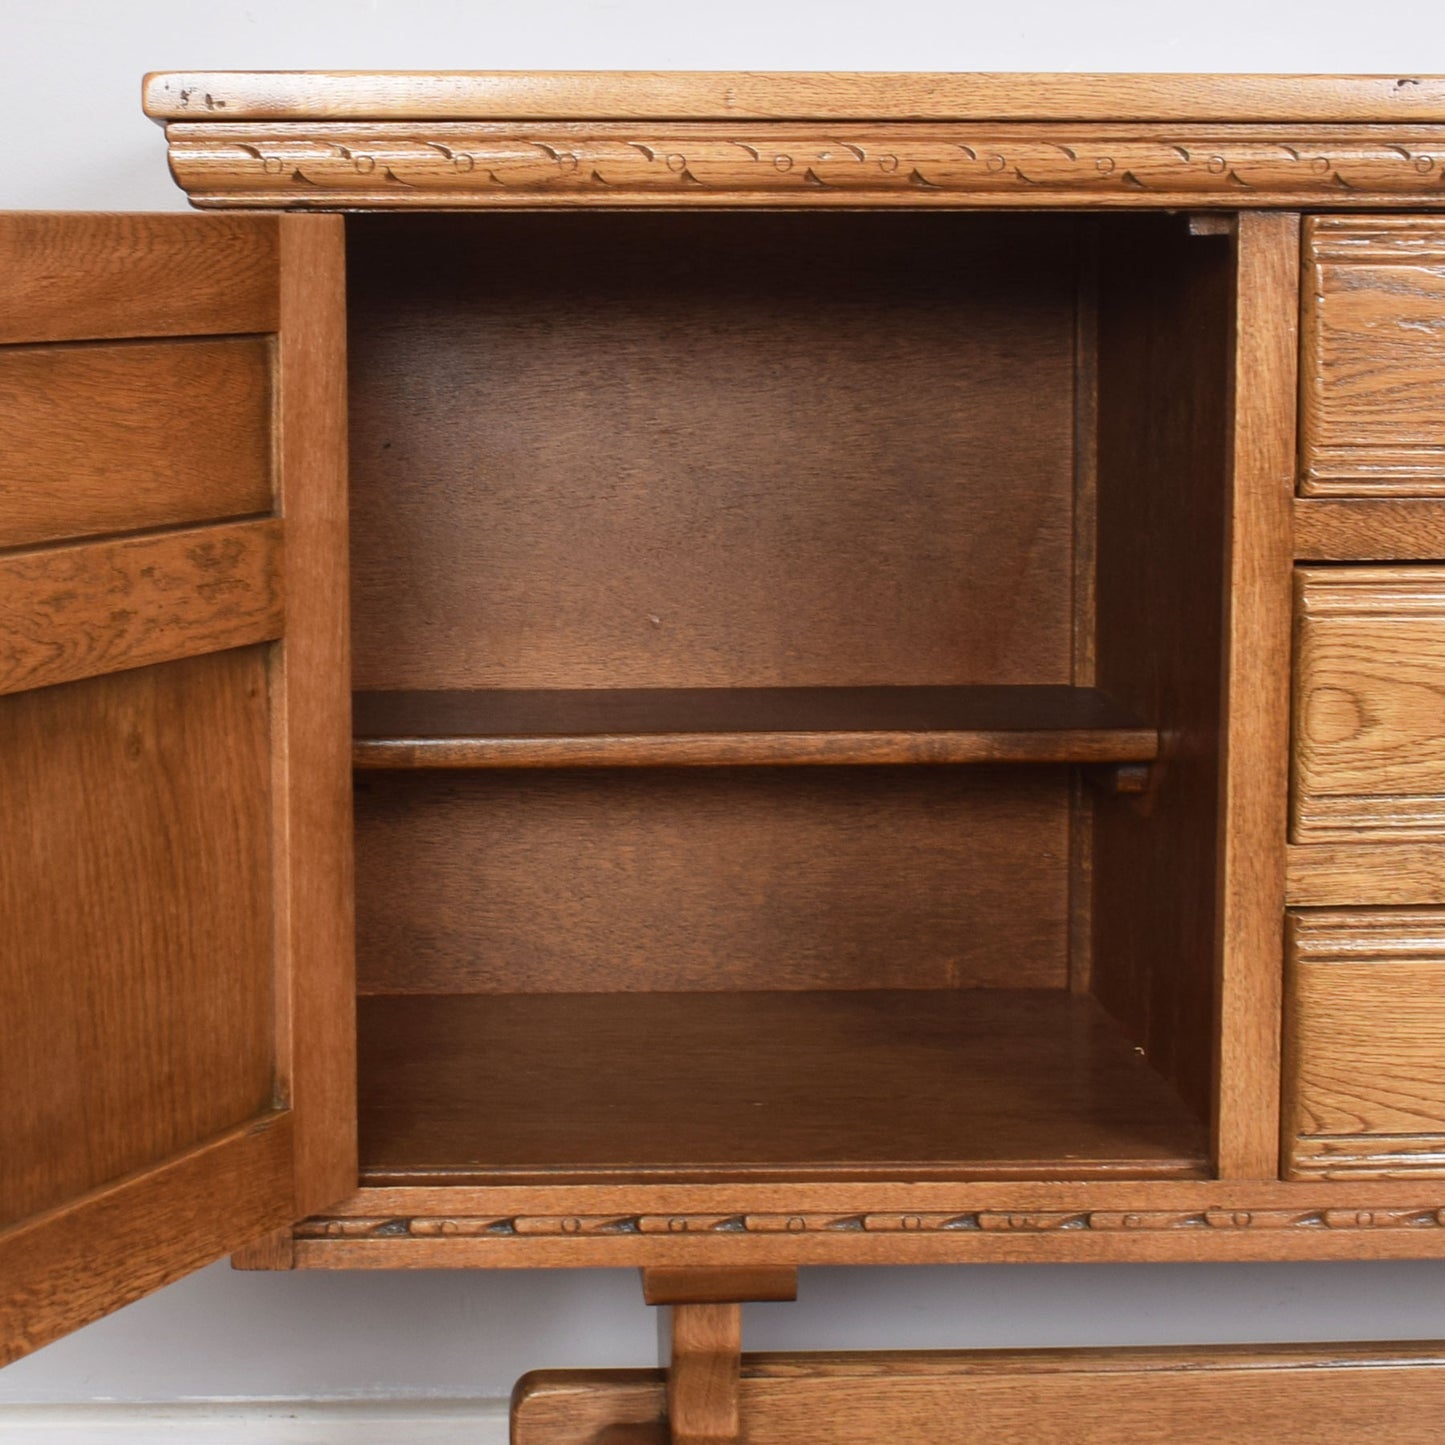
(747, 1223)
(715, 451)
(707, 727)
(1217, 1395)
(1365, 1044)
(1369, 704)
(76, 611)
(71, 277)
(702, 1375)
(604, 95)
(1372, 418)
(1165, 322)
(668, 164)
(135, 982)
(312, 735)
(121, 437)
(64, 1269)
(1371, 872)
(711, 1286)
(986, 1083)
(1256, 696)
(694, 878)
(1329, 529)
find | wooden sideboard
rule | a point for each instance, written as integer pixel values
(726, 672)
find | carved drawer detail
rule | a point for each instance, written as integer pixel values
(1364, 1079)
(1372, 417)
(1369, 705)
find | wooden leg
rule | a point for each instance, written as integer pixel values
(707, 1340)
(703, 1377)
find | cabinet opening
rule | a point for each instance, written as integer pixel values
(787, 653)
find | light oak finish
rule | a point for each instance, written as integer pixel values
(76, 611)
(882, 424)
(1220, 1395)
(78, 277)
(710, 727)
(151, 1029)
(1320, 874)
(1365, 1039)
(70, 1266)
(1369, 761)
(702, 1376)
(790, 1223)
(715, 1286)
(153, 1116)
(1387, 529)
(1372, 415)
(125, 436)
(1255, 763)
(315, 897)
(404, 165)
(651, 94)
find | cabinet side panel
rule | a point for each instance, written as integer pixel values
(1165, 322)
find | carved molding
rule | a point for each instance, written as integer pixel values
(498, 164)
(984, 1221)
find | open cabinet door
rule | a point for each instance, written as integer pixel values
(176, 1036)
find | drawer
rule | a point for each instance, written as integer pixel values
(1364, 1044)
(1369, 704)
(1372, 365)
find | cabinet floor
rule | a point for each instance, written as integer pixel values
(907, 1084)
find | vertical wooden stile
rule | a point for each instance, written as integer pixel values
(1256, 690)
(311, 687)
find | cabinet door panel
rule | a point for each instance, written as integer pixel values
(1372, 417)
(176, 1046)
(1369, 725)
(112, 437)
(1365, 1044)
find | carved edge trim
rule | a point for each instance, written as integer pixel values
(1329, 1218)
(474, 165)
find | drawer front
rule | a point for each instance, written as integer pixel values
(1369, 705)
(1365, 1044)
(1372, 368)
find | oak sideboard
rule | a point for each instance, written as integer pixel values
(726, 672)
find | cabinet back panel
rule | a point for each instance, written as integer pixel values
(711, 450)
(815, 878)
(139, 1016)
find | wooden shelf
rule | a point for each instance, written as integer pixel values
(721, 726)
(947, 1084)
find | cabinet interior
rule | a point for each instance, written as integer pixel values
(758, 622)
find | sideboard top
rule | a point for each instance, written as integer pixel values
(649, 95)
(468, 140)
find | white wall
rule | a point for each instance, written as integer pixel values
(75, 138)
